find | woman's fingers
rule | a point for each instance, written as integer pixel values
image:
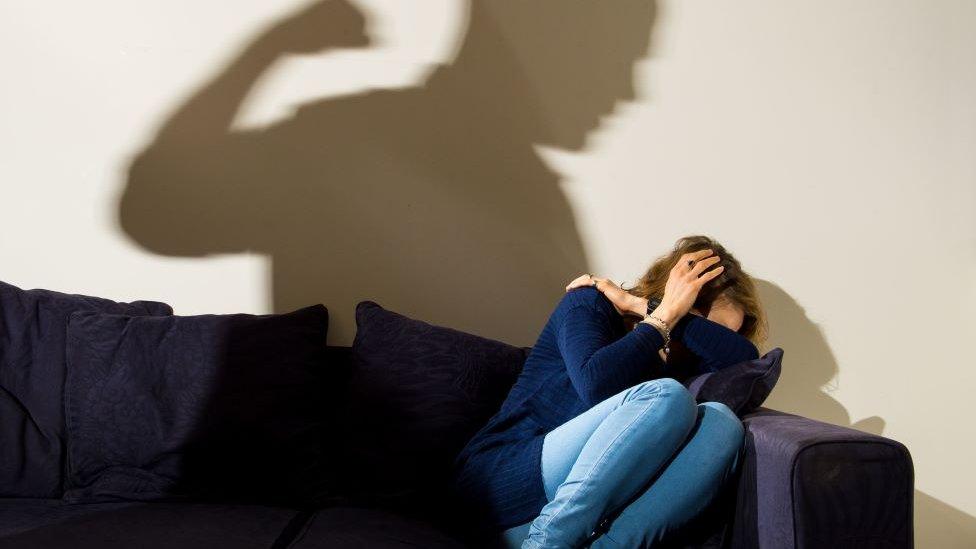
(701, 253)
(691, 256)
(710, 275)
(582, 280)
(697, 256)
(704, 264)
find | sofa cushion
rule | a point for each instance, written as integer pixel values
(50, 524)
(22, 514)
(215, 407)
(33, 324)
(743, 387)
(418, 392)
(359, 528)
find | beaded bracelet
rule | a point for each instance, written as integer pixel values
(666, 332)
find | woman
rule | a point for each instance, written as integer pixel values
(597, 442)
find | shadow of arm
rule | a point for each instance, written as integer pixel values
(202, 188)
(321, 27)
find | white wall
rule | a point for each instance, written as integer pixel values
(829, 145)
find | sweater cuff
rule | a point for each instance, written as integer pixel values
(651, 334)
(702, 328)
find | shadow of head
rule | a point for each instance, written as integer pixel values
(562, 64)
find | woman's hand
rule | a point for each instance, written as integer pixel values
(622, 301)
(684, 283)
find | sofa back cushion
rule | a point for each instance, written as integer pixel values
(33, 324)
(209, 407)
(418, 392)
(742, 387)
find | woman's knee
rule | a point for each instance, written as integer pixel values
(671, 395)
(723, 425)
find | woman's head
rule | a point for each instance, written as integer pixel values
(733, 282)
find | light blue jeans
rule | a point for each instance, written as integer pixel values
(631, 469)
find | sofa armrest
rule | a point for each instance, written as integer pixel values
(805, 483)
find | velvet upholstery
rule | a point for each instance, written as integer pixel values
(743, 386)
(50, 524)
(806, 483)
(362, 528)
(33, 326)
(227, 407)
(417, 393)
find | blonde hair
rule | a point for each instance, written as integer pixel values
(734, 282)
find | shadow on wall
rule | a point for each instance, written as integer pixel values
(809, 365)
(429, 200)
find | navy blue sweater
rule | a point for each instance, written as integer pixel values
(584, 355)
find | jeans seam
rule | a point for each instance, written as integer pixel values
(603, 457)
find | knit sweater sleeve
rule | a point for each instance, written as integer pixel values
(599, 364)
(717, 345)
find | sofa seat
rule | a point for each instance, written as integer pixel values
(360, 527)
(47, 523)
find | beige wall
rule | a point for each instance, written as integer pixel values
(464, 166)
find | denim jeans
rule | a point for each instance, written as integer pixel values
(631, 469)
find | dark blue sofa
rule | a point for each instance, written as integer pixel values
(803, 484)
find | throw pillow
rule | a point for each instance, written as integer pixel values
(33, 324)
(209, 407)
(418, 392)
(743, 387)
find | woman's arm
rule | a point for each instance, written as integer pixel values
(717, 345)
(600, 367)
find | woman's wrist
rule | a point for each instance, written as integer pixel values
(662, 319)
(665, 313)
(638, 306)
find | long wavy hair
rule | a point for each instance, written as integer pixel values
(737, 285)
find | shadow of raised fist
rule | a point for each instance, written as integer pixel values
(320, 26)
